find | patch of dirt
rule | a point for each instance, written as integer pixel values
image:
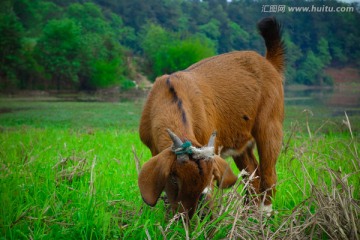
(344, 75)
(347, 87)
(115, 95)
(142, 81)
(5, 110)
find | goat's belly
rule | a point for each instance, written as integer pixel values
(231, 152)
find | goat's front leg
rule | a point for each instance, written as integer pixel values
(247, 161)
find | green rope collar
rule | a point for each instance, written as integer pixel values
(185, 148)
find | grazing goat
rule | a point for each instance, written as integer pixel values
(240, 95)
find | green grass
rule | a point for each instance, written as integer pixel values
(75, 115)
(67, 171)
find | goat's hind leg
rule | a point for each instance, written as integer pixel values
(269, 142)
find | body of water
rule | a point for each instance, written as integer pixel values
(318, 105)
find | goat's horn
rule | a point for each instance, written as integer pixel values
(211, 142)
(176, 140)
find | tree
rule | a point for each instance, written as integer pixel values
(323, 51)
(125, 34)
(168, 53)
(310, 72)
(293, 56)
(100, 54)
(186, 52)
(58, 52)
(106, 73)
(89, 17)
(11, 33)
(108, 68)
(211, 29)
(155, 40)
(239, 38)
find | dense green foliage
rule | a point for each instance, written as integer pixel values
(61, 47)
(52, 44)
(167, 53)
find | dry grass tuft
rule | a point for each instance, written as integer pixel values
(136, 159)
(70, 168)
(331, 212)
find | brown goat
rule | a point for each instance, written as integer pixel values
(238, 94)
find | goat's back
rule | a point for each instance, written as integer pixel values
(238, 87)
(226, 92)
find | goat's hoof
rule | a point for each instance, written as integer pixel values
(266, 209)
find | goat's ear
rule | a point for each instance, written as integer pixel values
(153, 175)
(223, 174)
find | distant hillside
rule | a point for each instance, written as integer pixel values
(77, 45)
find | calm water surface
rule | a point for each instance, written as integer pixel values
(324, 107)
(334, 100)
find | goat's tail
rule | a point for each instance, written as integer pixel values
(270, 30)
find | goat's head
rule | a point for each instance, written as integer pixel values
(185, 173)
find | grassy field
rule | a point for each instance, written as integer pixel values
(67, 171)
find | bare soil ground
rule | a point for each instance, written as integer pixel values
(347, 87)
(344, 75)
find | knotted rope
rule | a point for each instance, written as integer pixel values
(185, 148)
